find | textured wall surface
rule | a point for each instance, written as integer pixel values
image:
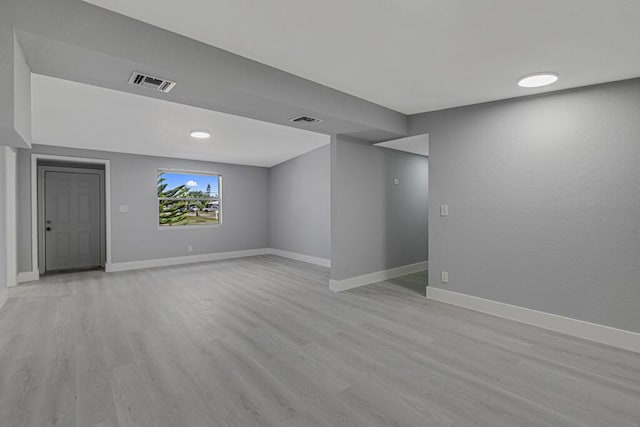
(8, 261)
(300, 204)
(376, 225)
(544, 202)
(21, 94)
(3, 249)
(135, 235)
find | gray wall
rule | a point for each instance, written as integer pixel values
(376, 225)
(8, 262)
(3, 253)
(21, 94)
(544, 202)
(7, 85)
(135, 235)
(299, 204)
(15, 85)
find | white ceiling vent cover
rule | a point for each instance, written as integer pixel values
(306, 119)
(151, 82)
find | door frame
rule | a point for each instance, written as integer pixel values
(37, 205)
(42, 261)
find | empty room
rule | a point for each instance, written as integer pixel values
(357, 213)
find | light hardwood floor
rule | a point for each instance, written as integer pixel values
(263, 342)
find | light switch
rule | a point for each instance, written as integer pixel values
(124, 208)
(444, 277)
(444, 210)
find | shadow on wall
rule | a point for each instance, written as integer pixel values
(406, 216)
(377, 225)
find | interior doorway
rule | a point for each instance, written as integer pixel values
(407, 209)
(70, 215)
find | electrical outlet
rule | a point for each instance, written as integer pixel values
(444, 277)
(396, 181)
(123, 208)
(189, 248)
(444, 210)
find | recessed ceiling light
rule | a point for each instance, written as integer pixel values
(200, 134)
(538, 79)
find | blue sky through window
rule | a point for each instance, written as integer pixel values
(193, 182)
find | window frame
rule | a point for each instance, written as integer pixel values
(189, 172)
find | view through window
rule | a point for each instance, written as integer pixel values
(188, 198)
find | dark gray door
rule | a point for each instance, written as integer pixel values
(72, 215)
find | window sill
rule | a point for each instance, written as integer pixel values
(189, 227)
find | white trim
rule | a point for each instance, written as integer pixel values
(34, 213)
(28, 276)
(191, 172)
(614, 337)
(34, 199)
(378, 276)
(188, 227)
(11, 225)
(4, 295)
(165, 262)
(301, 257)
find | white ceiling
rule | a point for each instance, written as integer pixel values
(71, 114)
(415, 55)
(417, 144)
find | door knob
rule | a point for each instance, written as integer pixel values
(48, 221)
(48, 228)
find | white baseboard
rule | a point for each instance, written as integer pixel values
(301, 257)
(4, 294)
(614, 337)
(12, 283)
(378, 276)
(28, 276)
(165, 262)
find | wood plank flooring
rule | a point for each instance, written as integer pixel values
(262, 341)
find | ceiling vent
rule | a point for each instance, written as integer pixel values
(150, 82)
(305, 119)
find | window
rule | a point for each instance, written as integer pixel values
(188, 198)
